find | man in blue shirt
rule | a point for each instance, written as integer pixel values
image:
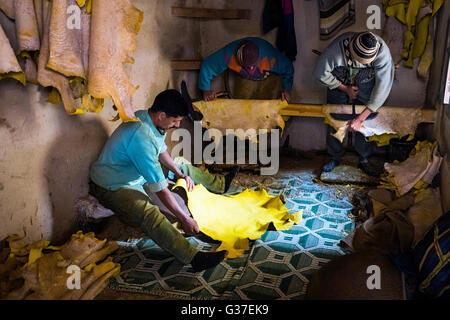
(252, 58)
(133, 157)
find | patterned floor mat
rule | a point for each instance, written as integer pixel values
(277, 266)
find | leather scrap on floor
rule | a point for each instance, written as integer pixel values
(394, 225)
(418, 171)
(236, 219)
(38, 271)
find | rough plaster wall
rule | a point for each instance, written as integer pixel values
(306, 134)
(45, 153)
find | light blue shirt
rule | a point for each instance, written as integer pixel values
(130, 157)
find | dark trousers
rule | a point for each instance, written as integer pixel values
(334, 147)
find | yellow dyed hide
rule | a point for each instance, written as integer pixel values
(248, 115)
(235, 219)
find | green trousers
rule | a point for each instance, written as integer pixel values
(135, 209)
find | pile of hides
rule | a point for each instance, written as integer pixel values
(234, 220)
(418, 171)
(39, 271)
(388, 124)
(416, 18)
(77, 47)
(394, 225)
(397, 215)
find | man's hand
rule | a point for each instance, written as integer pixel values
(189, 225)
(285, 95)
(352, 91)
(209, 95)
(190, 183)
(355, 124)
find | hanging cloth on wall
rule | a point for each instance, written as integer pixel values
(418, 41)
(280, 13)
(335, 15)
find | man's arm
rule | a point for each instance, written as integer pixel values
(166, 160)
(324, 66)
(355, 124)
(187, 223)
(384, 78)
(212, 66)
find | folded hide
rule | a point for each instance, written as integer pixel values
(9, 66)
(389, 232)
(69, 47)
(50, 78)
(27, 26)
(114, 27)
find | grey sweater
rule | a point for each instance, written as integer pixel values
(383, 66)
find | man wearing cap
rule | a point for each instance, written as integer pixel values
(356, 68)
(252, 58)
(133, 158)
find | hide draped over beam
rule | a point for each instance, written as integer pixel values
(76, 47)
(223, 114)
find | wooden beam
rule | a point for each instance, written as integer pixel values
(211, 13)
(314, 110)
(186, 64)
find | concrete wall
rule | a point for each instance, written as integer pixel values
(45, 153)
(307, 134)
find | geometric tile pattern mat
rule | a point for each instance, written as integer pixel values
(279, 265)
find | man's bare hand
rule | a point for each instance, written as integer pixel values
(355, 125)
(189, 183)
(285, 95)
(209, 95)
(189, 226)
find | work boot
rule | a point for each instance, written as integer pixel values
(365, 166)
(330, 165)
(230, 176)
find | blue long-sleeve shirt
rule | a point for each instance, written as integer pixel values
(270, 60)
(383, 66)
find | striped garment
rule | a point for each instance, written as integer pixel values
(432, 259)
(334, 16)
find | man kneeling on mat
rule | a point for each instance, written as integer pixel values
(132, 158)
